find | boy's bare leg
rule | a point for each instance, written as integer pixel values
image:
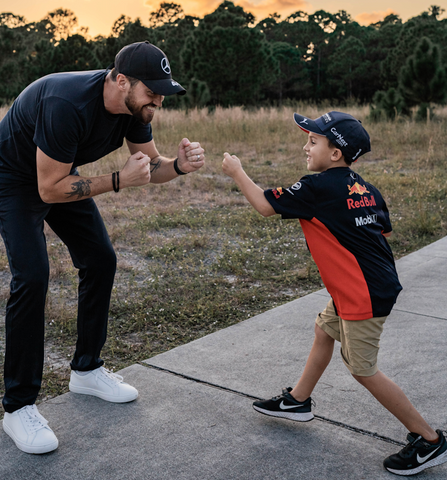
(396, 402)
(319, 358)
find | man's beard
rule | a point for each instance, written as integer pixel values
(142, 114)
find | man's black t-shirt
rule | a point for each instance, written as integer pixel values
(343, 219)
(64, 115)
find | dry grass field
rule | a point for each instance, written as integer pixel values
(194, 257)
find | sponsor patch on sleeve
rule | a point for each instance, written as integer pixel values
(277, 192)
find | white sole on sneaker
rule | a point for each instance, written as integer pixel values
(297, 417)
(414, 471)
(109, 398)
(29, 448)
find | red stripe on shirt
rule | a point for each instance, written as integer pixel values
(339, 270)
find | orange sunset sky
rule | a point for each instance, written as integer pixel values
(99, 15)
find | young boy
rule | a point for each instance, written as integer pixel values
(345, 222)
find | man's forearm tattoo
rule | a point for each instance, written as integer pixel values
(80, 189)
(155, 165)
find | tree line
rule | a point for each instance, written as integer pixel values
(227, 58)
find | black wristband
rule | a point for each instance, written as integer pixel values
(116, 181)
(178, 171)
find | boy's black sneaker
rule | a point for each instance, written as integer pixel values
(417, 455)
(285, 406)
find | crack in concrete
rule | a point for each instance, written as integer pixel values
(318, 417)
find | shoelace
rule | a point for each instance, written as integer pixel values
(113, 378)
(411, 447)
(33, 419)
(285, 390)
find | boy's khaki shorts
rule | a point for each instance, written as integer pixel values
(359, 339)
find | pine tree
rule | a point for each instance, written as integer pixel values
(387, 105)
(423, 78)
(236, 62)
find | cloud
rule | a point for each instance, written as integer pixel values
(264, 8)
(373, 17)
(190, 7)
(260, 9)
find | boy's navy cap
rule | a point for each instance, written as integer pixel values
(343, 130)
(148, 63)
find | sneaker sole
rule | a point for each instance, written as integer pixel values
(432, 463)
(95, 393)
(297, 417)
(29, 448)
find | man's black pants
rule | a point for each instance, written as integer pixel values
(80, 226)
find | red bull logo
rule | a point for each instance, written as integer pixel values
(357, 188)
(277, 192)
(364, 202)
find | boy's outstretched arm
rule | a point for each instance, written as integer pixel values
(232, 167)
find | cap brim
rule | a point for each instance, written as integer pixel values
(165, 87)
(306, 124)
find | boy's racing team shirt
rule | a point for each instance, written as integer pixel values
(343, 219)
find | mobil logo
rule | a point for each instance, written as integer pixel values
(360, 221)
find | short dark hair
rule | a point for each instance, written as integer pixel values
(348, 161)
(114, 73)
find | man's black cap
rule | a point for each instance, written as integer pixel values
(147, 63)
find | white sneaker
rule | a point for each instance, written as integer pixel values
(103, 384)
(30, 431)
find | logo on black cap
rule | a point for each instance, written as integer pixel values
(147, 63)
(165, 66)
(327, 118)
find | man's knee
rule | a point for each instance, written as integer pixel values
(102, 262)
(107, 257)
(33, 280)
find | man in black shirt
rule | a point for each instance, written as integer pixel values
(58, 123)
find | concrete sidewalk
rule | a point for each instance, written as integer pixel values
(194, 420)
